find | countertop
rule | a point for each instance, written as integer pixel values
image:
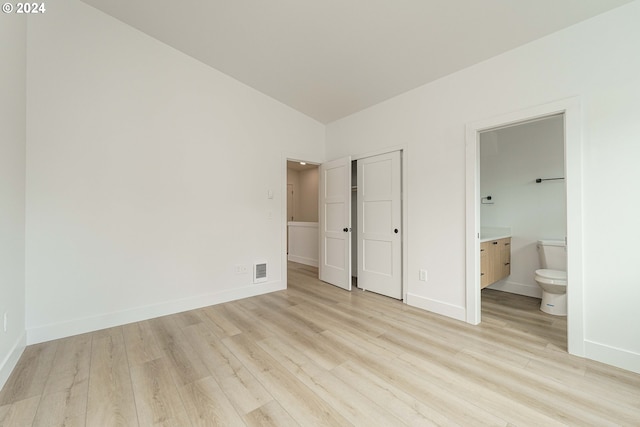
(494, 233)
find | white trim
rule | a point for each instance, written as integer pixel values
(435, 306)
(613, 356)
(11, 360)
(302, 260)
(405, 223)
(93, 323)
(472, 232)
(387, 150)
(571, 107)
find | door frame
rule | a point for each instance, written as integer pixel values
(572, 110)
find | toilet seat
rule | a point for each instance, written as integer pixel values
(551, 277)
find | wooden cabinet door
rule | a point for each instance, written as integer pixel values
(484, 265)
(505, 257)
(495, 261)
(495, 269)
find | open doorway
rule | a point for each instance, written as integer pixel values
(292, 165)
(522, 202)
(302, 213)
(522, 212)
(570, 111)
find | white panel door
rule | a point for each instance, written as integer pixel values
(379, 224)
(335, 222)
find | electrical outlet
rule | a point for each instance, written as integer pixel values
(423, 275)
(241, 269)
(5, 321)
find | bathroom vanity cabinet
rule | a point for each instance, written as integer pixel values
(495, 261)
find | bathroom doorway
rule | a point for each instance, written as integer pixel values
(522, 200)
(567, 112)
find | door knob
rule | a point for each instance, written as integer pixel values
(346, 230)
(395, 230)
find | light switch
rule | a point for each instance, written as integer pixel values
(270, 194)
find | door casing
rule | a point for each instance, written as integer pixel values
(571, 108)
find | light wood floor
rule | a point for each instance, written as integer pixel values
(318, 355)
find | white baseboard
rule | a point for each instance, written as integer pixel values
(438, 307)
(612, 356)
(303, 260)
(94, 323)
(11, 360)
(518, 288)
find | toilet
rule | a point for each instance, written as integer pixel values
(552, 277)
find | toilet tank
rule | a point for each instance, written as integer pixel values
(553, 254)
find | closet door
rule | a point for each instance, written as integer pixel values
(335, 222)
(380, 224)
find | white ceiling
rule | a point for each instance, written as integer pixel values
(330, 58)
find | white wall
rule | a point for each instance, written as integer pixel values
(12, 185)
(134, 207)
(596, 60)
(293, 178)
(303, 243)
(305, 194)
(510, 161)
(308, 195)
